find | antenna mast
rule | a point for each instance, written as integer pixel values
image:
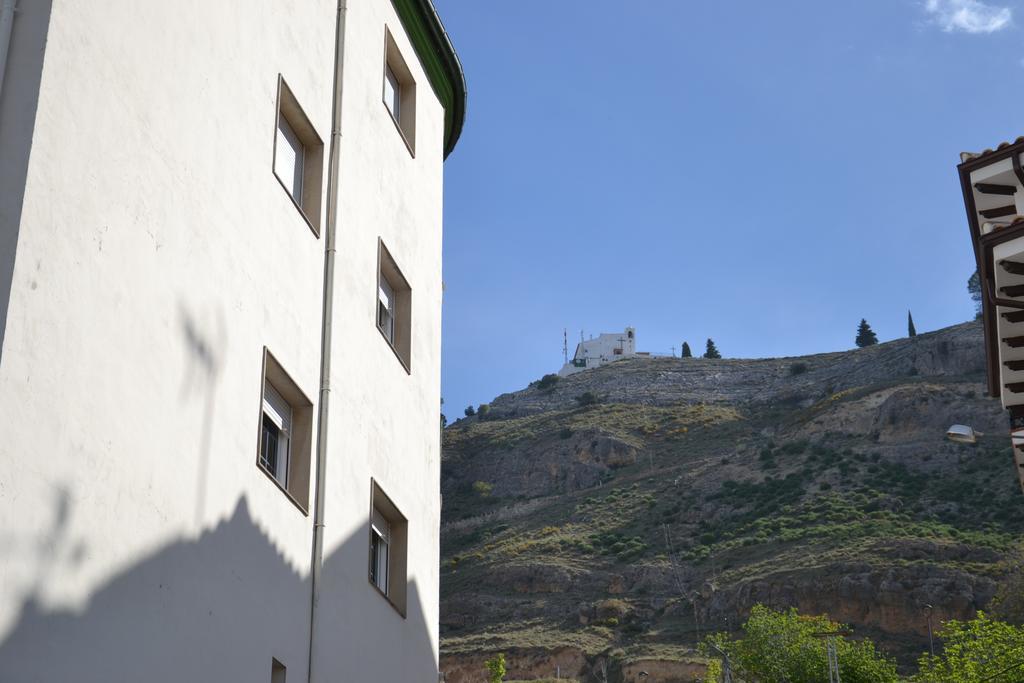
(565, 345)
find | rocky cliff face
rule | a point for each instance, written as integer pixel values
(614, 535)
(954, 351)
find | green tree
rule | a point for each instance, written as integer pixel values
(981, 649)
(686, 353)
(782, 647)
(865, 335)
(911, 330)
(496, 668)
(974, 289)
(712, 350)
(470, 411)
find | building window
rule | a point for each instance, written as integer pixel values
(392, 93)
(399, 92)
(388, 542)
(285, 433)
(394, 306)
(290, 158)
(386, 308)
(277, 430)
(380, 538)
(277, 671)
(298, 156)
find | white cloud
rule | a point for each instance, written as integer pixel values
(970, 16)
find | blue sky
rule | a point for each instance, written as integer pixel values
(762, 173)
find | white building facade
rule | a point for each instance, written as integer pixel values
(220, 320)
(605, 348)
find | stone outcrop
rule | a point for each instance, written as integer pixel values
(954, 351)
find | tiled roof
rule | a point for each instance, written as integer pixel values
(970, 156)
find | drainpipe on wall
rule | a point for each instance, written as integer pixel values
(6, 28)
(326, 333)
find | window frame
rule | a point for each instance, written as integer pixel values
(380, 551)
(395, 101)
(396, 592)
(405, 120)
(310, 201)
(386, 292)
(297, 479)
(400, 340)
(282, 418)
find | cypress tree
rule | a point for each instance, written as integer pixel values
(911, 330)
(865, 335)
(686, 351)
(974, 289)
(712, 350)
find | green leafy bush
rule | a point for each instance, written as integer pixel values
(973, 651)
(496, 668)
(546, 383)
(783, 646)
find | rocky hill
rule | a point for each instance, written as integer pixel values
(599, 526)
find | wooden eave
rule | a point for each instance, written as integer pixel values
(983, 245)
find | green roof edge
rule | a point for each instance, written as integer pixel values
(439, 60)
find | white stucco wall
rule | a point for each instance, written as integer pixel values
(384, 421)
(156, 255)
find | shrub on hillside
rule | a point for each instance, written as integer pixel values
(496, 668)
(798, 368)
(588, 398)
(546, 383)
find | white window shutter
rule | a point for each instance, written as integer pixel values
(381, 526)
(277, 409)
(385, 294)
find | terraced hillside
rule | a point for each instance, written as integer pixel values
(598, 526)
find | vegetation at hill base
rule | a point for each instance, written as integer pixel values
(787, 647)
